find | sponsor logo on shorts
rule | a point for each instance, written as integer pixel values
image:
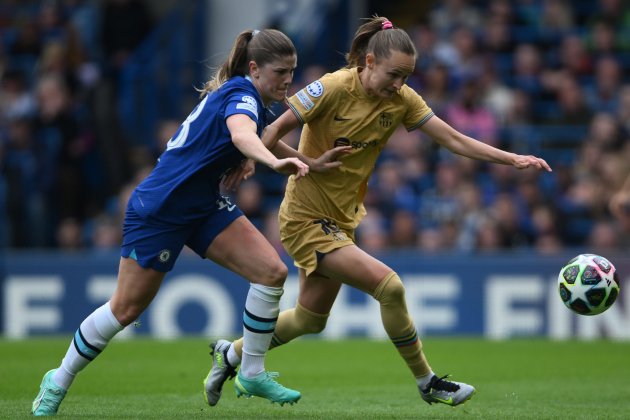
(224, 202)
(330, 228)
(164, 255)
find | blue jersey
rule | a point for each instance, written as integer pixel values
(184, 185)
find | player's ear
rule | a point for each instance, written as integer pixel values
(369, 60)
(253, 69)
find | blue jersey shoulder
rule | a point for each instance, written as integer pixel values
(185, 182)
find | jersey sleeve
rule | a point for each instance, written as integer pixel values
(418, 111)
(242, 102)
(307, 103)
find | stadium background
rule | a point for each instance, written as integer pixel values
(91, 91)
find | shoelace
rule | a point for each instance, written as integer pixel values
(272, 375)
(442, 384)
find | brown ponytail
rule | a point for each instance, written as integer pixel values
(379, 37)
(262, 47)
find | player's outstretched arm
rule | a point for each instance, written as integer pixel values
(461, 144)
(243, 133)
(284, 124)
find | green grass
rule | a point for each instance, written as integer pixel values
(517, 379)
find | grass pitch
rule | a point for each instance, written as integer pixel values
(350, 379)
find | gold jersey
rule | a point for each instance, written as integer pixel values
(336, 111)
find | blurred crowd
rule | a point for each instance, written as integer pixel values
(543, 77)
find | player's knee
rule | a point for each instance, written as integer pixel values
(314, 326)
(127, 314)
(390, 290)
(273, 275)
(310, 322)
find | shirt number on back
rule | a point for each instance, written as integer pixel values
(180, 139)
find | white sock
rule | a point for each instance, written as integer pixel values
(423, 381)
(88, 342)
(259, 320)
(233, 357)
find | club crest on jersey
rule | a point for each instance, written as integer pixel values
(386, 119)
(164, 255)
(248, 104)
(305, 100)
(315, 89)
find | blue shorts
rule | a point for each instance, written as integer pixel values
(156, 244)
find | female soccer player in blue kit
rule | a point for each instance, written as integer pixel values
(179, 204)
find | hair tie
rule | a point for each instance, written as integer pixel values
(387, 25)
(255, 32)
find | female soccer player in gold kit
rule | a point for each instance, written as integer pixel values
(360, 106)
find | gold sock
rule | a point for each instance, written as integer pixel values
(291, 324)
(398, 324)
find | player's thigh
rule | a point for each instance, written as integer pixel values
(355, 267)
(241, 247)
(135, 289)
(318, 292)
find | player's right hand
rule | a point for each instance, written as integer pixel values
(291, 166)
(330, 159)
(232, 180)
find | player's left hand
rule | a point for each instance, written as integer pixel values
(233, 179)
(526, 161)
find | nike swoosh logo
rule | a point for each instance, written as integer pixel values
(449, 401)
(338, 118)
(232, 207)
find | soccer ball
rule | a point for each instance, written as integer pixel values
(588, 284)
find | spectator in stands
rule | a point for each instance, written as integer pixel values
(603, 94)
(403, 229)
(451, 14)
(619, 204)
(372, 232)
(459, 53)
(603, 238)
(64, 145)
(435, 85)
(527, 70)
(623, 111)
(555, 21)
(468, 115)
(572, 108)
(15, 99)
(125, 24)
(70, 235)
(21, 165)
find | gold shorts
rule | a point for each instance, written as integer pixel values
(306, 240)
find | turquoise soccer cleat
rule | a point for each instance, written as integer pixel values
(264, 385)
(49, 398)
(446, 392)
